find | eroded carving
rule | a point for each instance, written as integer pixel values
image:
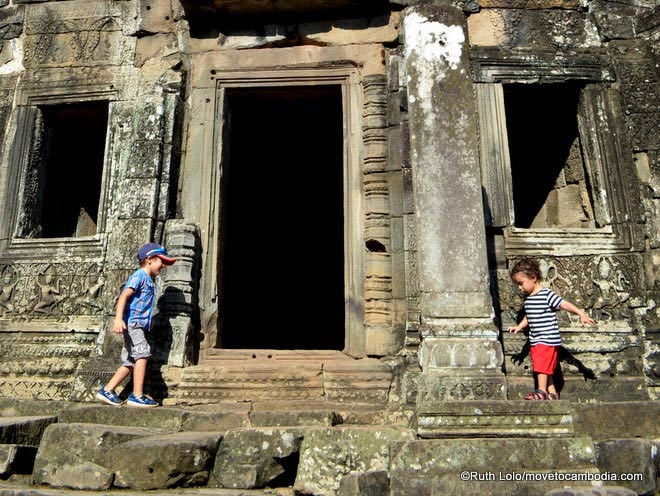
(49, 293)
(609, 287)
(8, 284)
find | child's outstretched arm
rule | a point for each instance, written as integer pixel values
(119, 325)
(523, 323)
(569, 307)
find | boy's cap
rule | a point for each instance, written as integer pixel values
(155, 250)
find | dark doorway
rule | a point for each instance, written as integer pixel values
(281, 277)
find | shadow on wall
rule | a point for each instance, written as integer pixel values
(564, 356)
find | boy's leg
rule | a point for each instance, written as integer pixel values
(139, 372)
(551, 385)
(139, 353)
(122, 373)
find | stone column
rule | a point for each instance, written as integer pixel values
(176, 295)
(460, 354)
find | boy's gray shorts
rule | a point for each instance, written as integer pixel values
(135, 346)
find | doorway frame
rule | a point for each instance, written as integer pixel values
(349, 81)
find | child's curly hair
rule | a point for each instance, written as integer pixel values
(528, 266)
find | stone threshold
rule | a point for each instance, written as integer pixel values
(284, 375)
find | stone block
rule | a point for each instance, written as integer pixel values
(396, 193)
(11, 22)
(494, 419)
(379, 29)
(272, 418)
(122, 253)
(630, 456)
(487, 466)
(245, 382)
(552, 29)
(460, 352)
(24, 430)
(74, 455)
(12, 407)
(461, 384)
(164, 419)
(252, 458)
(236, 40)
(487, 28)
(139, 199)
(16, 459)
(365, 380)
(613, 420)
(181, 459)
(141, 17)
(328, 455)
(613, 23)
(384, 339)
(375, 483)
(220, 421)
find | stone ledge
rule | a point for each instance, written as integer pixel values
(495, 419)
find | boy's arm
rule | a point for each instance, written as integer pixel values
(120, 326)
(569, 307)
(523, 323)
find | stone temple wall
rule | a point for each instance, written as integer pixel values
(426, 92)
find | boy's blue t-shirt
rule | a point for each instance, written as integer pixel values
(140, 307)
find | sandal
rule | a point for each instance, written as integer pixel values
(537, 395)
(553, 396)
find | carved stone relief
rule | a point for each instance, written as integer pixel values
(602, 285)
(41, 365)
(80, 33)
(61, 291)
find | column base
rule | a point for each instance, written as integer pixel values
(460, 384)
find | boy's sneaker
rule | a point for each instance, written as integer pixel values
(141, 401)
(108, 397)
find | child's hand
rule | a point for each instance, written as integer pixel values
(119, 326)
(514, 329)
(585, 319)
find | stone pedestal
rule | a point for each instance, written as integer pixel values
(460, 355)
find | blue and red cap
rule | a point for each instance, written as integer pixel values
(155, 250)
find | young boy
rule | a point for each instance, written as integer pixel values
(133, 320)
(541, 305)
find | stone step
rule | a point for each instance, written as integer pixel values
(75, 455)
(24, 430)
(628, 419)
(272, 376)
(24, 489)
(167, 447)
(223, 417)
(495, 419)
(497, 467)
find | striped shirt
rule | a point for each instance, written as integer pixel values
(541, 311)
(141, 305)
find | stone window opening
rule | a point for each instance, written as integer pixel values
(594, 215)
(62, 181)
(551, 187)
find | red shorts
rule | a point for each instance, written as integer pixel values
(544, 358)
